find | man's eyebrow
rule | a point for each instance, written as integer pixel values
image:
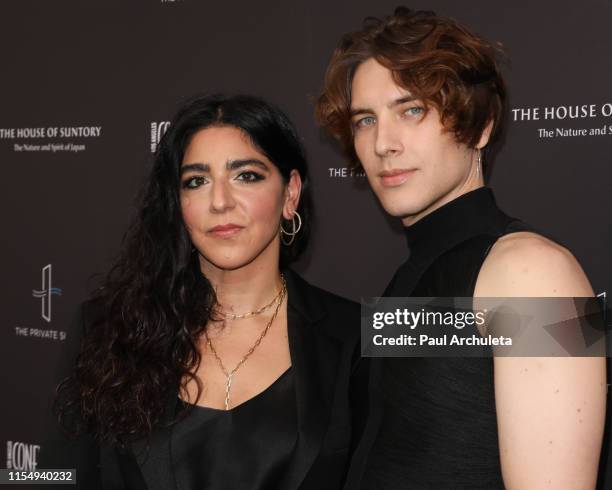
(394, 103)
(400, 101)
(359, 110)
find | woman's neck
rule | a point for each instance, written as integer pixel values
(247, 288)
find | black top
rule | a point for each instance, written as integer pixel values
(330, 386)
(437, 420)
(249, 446)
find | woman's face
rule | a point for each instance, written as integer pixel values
(232, 199)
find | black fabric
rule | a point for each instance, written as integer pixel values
(248, 446)
(434, 418)
(330, 392)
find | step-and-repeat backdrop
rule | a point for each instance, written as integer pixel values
(87, 89)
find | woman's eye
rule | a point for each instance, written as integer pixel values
(193, 182)
(365, 121)
(249, 176)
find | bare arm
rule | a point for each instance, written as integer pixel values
(550, 411)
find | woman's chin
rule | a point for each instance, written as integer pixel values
(224, 263)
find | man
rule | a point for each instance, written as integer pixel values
(415, 99)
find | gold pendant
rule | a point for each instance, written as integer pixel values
(228, 386)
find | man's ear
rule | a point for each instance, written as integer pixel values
(293, 190)
(485, 136)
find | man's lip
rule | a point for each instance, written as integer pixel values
(395, 177)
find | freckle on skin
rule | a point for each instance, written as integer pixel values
(578, 410)
(556, 391)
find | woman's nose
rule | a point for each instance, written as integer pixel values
(221, 197)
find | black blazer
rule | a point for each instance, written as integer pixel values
(330, 382)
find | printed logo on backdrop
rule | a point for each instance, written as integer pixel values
(344, 173)
(51, 139)
(157, 131)
(567, 121)
(45, 295)
(21, 456)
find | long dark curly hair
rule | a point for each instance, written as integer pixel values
(155, 302)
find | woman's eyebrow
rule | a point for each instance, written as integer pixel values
(195, 167)
(234, 164)
(230, 165)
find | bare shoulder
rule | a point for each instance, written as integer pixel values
(528, 264)
(566, 396)
(527, 247)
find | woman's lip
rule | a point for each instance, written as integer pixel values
(224, 231)
(395, 177)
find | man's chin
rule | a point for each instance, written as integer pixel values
(402, 211)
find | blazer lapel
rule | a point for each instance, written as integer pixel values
(314, 375)
(151, 467)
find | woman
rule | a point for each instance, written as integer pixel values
(205, 361)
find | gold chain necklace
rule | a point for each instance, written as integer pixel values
(231, 316)
(230, 374)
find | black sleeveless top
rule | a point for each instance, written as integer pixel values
(247, 447)
(437, 424)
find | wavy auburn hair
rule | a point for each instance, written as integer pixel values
(155, 302)
(436, 59)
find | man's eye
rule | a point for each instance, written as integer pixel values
(249, 176)
(365, 121)
(193, 182)
(414, 111)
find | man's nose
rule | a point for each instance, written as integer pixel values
(388, 139)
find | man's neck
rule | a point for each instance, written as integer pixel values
(441, 201)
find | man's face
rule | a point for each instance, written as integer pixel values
(413, 164)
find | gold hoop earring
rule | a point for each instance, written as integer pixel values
(296, 229)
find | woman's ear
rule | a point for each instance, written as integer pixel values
(485, 136)
(292, 194)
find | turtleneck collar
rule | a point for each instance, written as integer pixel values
(468, 215)
(471, 214)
